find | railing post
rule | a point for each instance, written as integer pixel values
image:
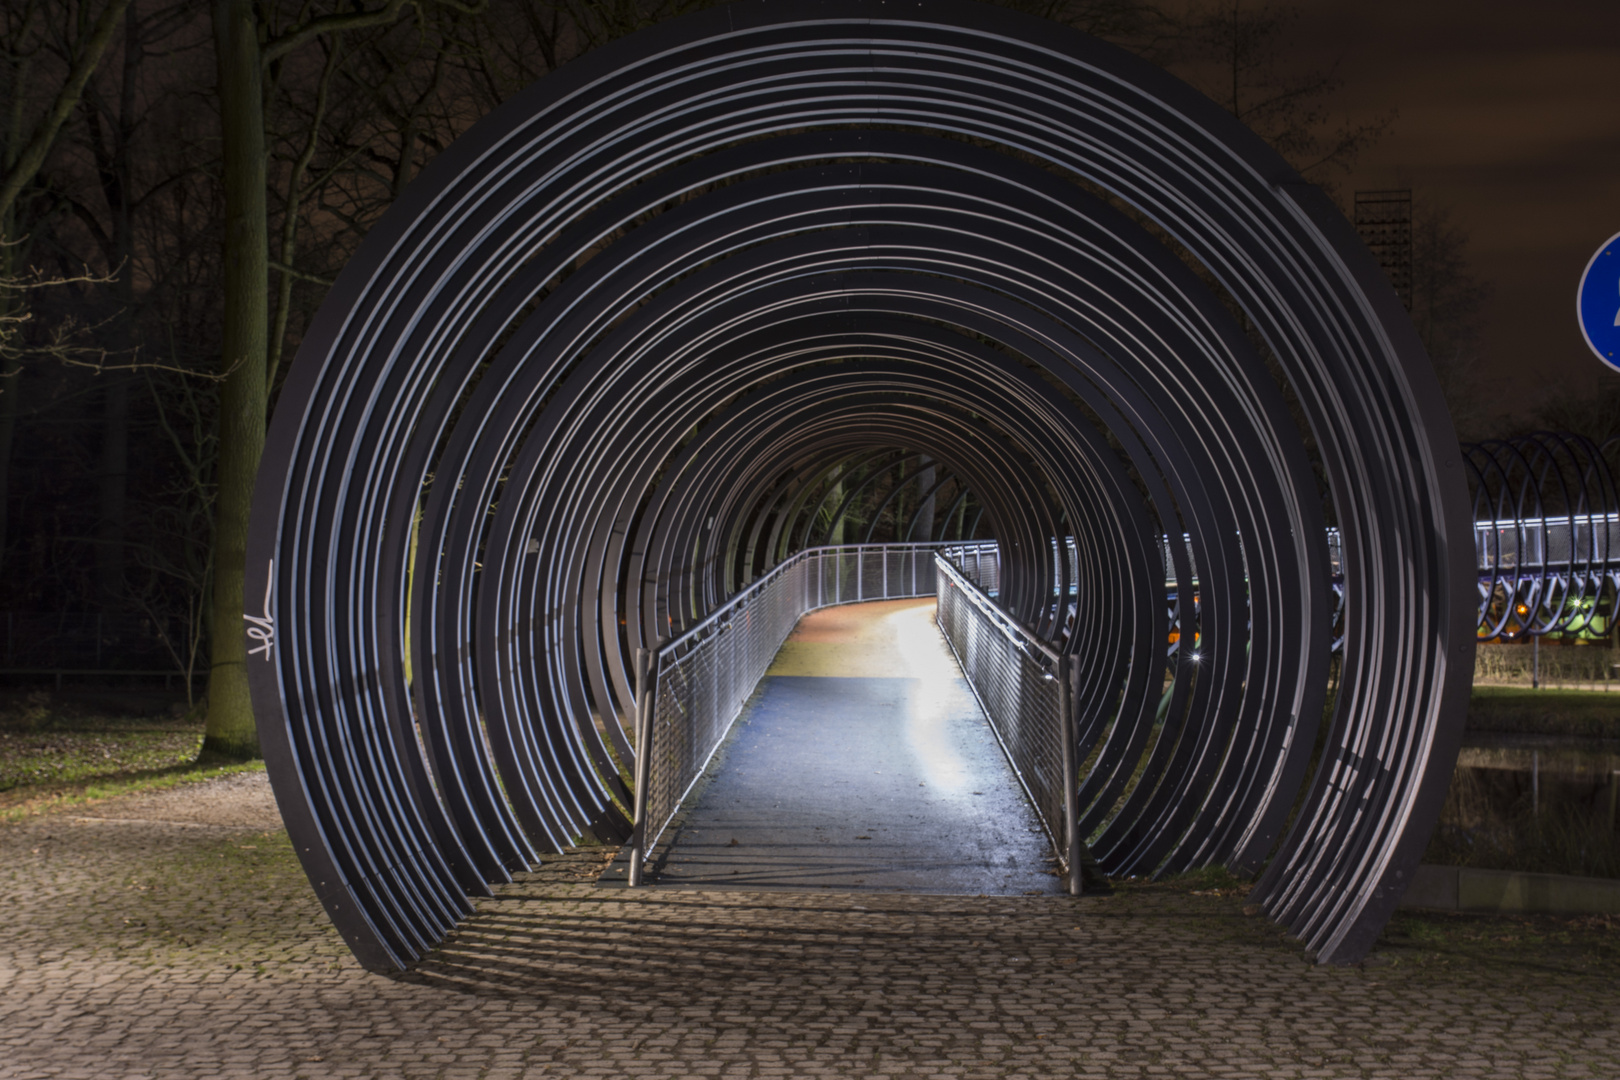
(644, 730)
(1071, 769)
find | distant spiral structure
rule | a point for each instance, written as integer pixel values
(1547, 517)
(640, 334)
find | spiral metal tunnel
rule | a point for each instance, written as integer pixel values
(1547, 523)
(668, 315)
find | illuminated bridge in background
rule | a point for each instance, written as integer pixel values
(576, 433)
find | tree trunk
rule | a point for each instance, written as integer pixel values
(835, 534)
(925, 513)
(243, 398)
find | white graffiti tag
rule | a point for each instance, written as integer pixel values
(260, 627)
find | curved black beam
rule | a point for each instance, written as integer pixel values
(592, 364)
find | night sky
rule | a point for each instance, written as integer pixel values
(1509, 113)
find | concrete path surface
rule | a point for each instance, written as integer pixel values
(863, 763)
(174, 936)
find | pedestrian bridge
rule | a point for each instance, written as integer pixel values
(862, 763)
(596, 412)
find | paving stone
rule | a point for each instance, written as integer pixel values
(175, 937)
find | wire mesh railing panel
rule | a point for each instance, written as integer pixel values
(1015, 677)
(703, 679)
(872, 576)
(849, 577)
(1537, 542)
(980, 563)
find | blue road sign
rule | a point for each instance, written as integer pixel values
(1597, 302)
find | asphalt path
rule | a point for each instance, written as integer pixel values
(862, 763)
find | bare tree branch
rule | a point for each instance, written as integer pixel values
(33, 155)
(328, 24)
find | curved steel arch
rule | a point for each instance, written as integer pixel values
(787, 232)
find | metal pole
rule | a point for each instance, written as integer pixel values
(644, 729)
(1071, 770)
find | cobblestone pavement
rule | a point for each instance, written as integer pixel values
(174, 936)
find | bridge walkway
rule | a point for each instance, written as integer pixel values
(863, 762)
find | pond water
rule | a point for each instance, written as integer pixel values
(1534, 804)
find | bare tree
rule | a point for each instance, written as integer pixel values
(1237, 52)
(29, 31)
(116, 108)
(1448, 305)
(175, 549)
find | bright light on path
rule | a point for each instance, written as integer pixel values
(892, 639)
(863, 763)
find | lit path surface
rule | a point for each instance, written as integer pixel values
(863, 762)
(174, 937)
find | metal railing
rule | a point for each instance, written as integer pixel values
(691, 689)
(1024, 689)
(980, 562)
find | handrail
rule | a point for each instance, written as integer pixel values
(1019, 633)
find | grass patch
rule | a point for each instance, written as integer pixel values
(1585, 944)
(59, 752)
(46, 758)
(65, 750)
(1205, 881)
(1521, 711)
(22, 802)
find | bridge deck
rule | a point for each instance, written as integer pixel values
(863, 763)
